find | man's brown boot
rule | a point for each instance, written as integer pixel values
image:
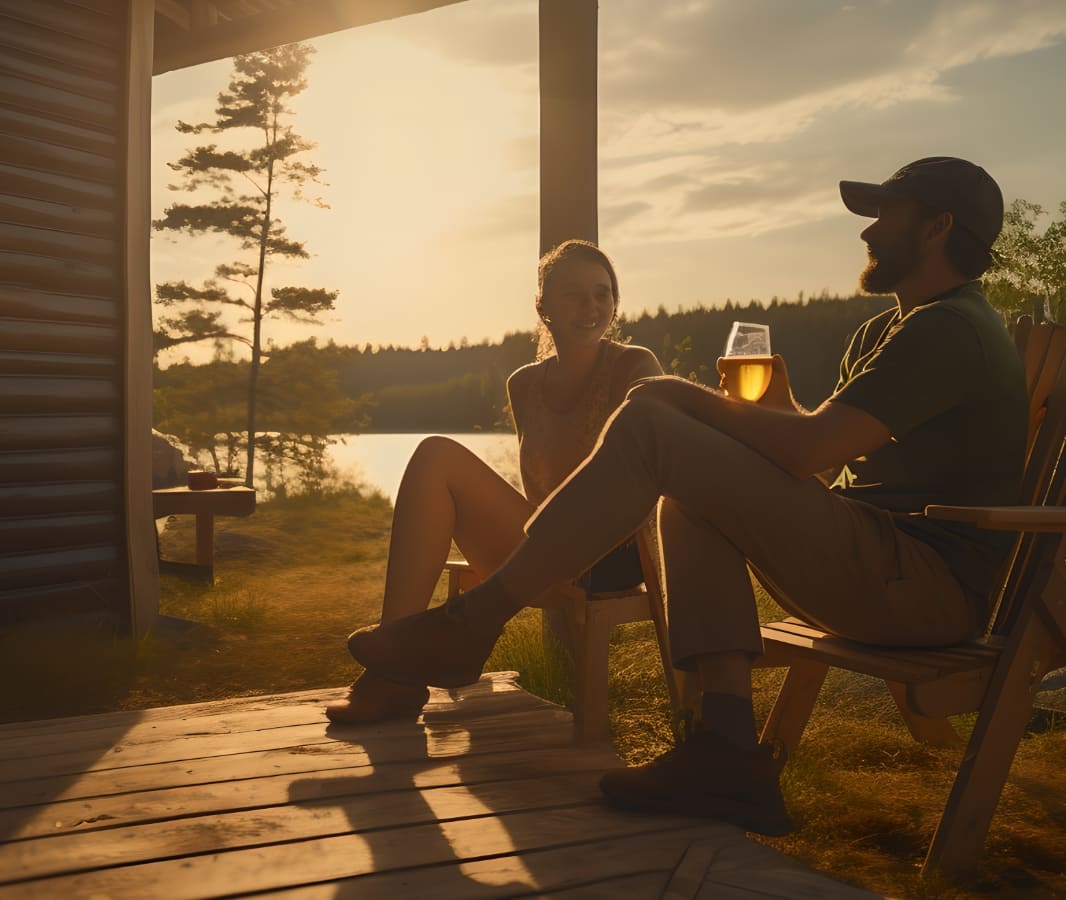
(706, 775)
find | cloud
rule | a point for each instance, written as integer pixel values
(752, 111)
(733, 56)
(617, 214)
(701, 100)
(478, 32)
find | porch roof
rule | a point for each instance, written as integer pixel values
(190, 32)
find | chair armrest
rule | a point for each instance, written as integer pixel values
(1004, 518)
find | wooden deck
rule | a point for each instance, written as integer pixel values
(486, 797)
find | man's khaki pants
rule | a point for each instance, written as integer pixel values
(839, 564)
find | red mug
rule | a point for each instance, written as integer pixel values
(202, 481)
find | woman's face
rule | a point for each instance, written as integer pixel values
(578, 302)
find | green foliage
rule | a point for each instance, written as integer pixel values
(301, 403)
(1030, 274)
(203, 406)
(682, 364)
(301, 304)
(462, 403)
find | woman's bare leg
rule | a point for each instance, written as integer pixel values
(447, 493)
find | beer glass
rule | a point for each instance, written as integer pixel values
(747, 364)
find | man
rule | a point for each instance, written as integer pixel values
(930, 408)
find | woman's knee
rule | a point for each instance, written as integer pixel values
(437, 450)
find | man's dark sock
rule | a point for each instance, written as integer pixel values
(730, 716)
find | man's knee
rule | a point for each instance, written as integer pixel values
(637, 414)
(630, 431)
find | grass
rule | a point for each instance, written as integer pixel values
(295, 578)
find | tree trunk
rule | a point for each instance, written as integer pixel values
(257, 318)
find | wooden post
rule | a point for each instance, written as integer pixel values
(205, 539)
(568, 158)
(142, 564)
(568, 180)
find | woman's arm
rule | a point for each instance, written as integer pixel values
(517, 390)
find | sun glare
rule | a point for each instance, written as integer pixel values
(425, 157)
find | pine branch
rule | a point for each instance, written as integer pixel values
(301, 304)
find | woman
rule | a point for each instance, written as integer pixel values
(559, 405)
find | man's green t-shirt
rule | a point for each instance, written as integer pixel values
(948, 383)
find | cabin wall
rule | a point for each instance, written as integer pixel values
(64, 308)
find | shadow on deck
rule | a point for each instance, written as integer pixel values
(485, 797)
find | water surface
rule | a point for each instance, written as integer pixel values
(378, 460)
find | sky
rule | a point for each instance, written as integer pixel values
(724, 127)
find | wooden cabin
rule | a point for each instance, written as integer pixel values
(76, 527)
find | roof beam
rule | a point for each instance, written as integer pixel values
(279, 26)
(173, 10)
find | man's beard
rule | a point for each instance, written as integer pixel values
(888, 267)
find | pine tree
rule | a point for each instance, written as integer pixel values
(246, 186)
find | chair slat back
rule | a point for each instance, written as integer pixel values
(1043, 350)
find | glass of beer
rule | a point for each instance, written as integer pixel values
(747, 364)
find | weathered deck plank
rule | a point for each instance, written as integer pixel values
(140, 806)
(485, 797)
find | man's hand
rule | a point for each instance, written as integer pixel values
(778, 394)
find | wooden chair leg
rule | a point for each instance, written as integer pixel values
(925, 730)
(986, 762)
(682, 687)
(590, 696)
(794, 704)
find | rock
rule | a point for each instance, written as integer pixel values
(169, 464)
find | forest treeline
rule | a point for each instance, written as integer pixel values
(462, 388)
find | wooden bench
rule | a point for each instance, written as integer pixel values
(205, 505)
(996, 676)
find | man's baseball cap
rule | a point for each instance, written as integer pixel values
(943, 183)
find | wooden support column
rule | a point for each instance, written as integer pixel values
(142, 564)
(568, 187)
(568, 126)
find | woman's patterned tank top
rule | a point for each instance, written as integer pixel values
(551, 444)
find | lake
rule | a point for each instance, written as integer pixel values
(378, 460)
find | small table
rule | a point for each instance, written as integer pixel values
(205, 505)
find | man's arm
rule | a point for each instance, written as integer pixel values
(801, 443)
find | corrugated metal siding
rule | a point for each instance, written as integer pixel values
(62, 543)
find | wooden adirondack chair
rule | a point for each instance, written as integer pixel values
(996, 676)
(591, 617)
